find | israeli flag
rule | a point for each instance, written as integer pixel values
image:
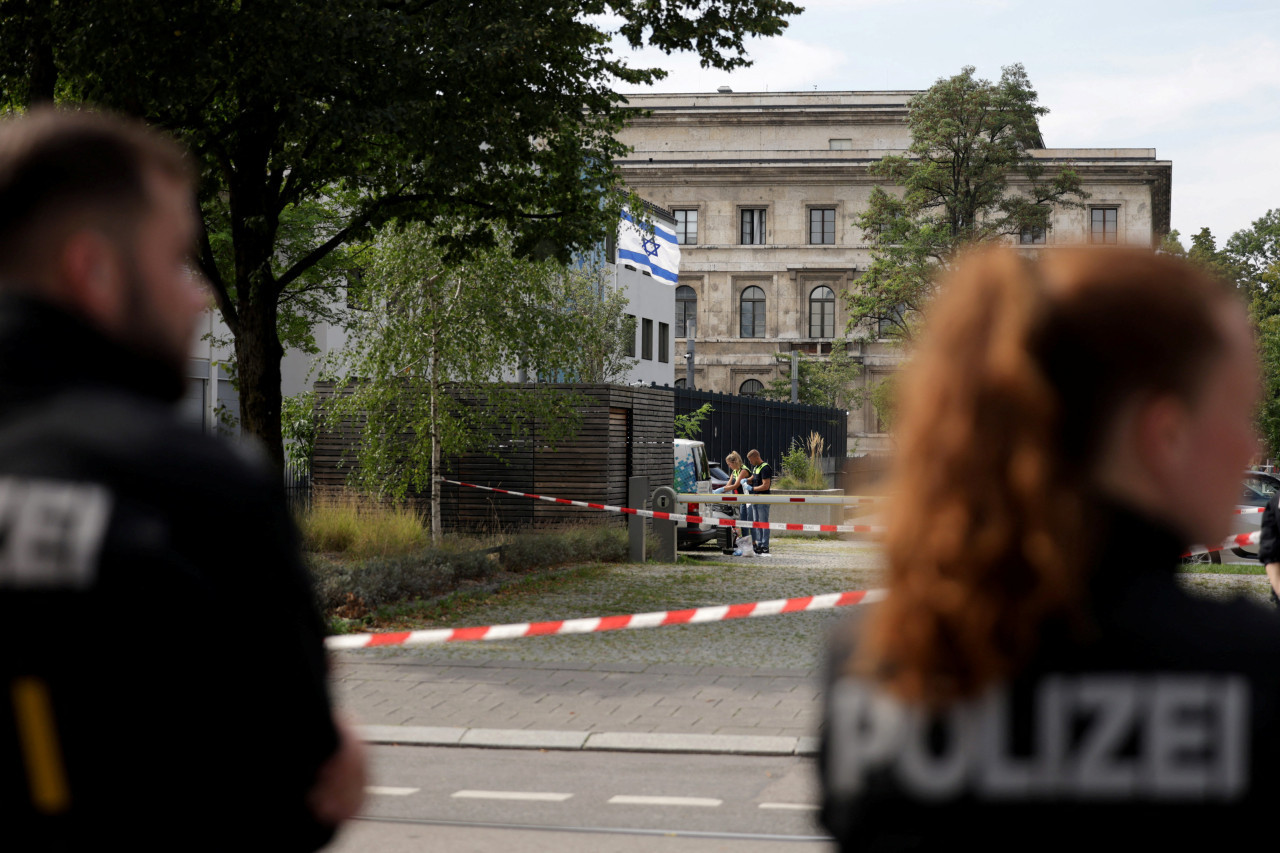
(648, 247)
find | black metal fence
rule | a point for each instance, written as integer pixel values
(743, 423)
(297, 483)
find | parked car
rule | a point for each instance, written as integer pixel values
(694, 476)
(1256, 489)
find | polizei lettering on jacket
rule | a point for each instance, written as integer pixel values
(50, 532)
(1097, 737)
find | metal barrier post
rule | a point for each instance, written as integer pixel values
(664, 500)
(637, 490)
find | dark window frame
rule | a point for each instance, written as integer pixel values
(664, 343)
(682, 229)
(1109, 236)
(758, 312)
(646, 339)
(686, 310)
(826, 306)
(743, 391)
(753, 226)
(1033, 235)
(827, 229)
(629, 350)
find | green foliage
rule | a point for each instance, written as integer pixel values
(299, 422)
(361, 528)
(690, 425)
(824, 380)
(1250, 260)
(968, 138)
(313, 123)
(801, 465)
(427, 362)
(884, 398)
(352, 589)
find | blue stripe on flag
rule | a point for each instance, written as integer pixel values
(665, 235)
(647, 262)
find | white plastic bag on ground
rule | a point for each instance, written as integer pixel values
(744, 547)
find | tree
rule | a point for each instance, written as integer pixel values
(824, 381)
(430, 110)
(690, 426)
(429, 358)
(1250, 260)
(969, 138)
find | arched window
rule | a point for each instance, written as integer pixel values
(686, 310)
(680, 383)
(822, 313)
(752, 312)
(751, 388)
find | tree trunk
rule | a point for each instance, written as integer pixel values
(258, 355)
(436, 473)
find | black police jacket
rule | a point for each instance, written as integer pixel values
(1156, 726)
(1269, 533)
(162, 679)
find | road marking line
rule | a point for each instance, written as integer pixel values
(804, 807)
(388, 791)
(630, 800)
(543, 796)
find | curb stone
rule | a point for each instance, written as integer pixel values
(589, 741)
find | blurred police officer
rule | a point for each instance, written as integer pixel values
(163, 668)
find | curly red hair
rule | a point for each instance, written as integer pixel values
(1019, 375)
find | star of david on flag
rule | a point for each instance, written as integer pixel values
(649, 247)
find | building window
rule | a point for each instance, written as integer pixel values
(1032, 236)
(686, 311)
(753, 226)
(686, 227)
(822, 225)
(751, 388)
(752, 312)
(664, 346)
(822, 313)
(646, 339)
(629, 335)
(680, 383)
(1104, 225)
(892, 325)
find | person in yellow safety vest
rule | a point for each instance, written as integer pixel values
(760, 483)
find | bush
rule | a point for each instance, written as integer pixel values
(802, 466)
(352, 589)
(361, 529)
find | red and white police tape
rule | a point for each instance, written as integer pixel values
(711, 498)
(1231, 542)
(1249, 510)
(596, 624)
(689, 519)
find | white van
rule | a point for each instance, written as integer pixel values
(693, 476)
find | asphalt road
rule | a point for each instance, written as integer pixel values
(500, 800)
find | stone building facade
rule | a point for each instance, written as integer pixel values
(766, 189)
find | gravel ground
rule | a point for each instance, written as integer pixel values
(797, 567)
(1253, 587)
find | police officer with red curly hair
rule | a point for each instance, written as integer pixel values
(1035, 676)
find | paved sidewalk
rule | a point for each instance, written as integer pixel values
(577, 706)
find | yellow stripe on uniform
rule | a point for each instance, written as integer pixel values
(33, 712)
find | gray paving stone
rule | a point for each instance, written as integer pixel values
(419, 735)
(808, 745)
(524, 738)
(668, 742)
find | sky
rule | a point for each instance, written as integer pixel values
(1197, 81)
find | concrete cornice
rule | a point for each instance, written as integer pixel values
(772, 118)
(759, 171)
